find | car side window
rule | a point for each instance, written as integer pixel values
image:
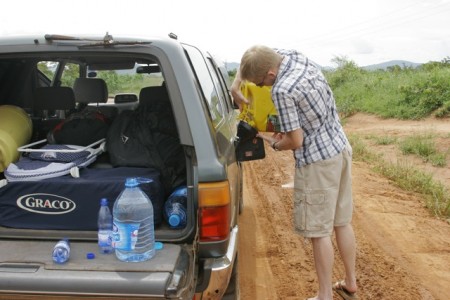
(59, 74)
(208, 86)
(225, 83)
(70, 73)
(48, 68)
(219, 87)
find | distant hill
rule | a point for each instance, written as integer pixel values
(231, 66)
(381, 66)
(385, 65)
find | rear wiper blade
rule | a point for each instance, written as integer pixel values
(58, 37)
(106, 41)
(113, 43)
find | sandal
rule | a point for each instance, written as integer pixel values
(339, 288)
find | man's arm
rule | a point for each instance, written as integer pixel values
(288, 141)
(236, 93)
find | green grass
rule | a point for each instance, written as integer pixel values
(385, 140)
(421, 145)
(424, 146)
(405, 176)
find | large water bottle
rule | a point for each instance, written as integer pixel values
(133, 229)
(175, 208)
(105, 226)
(61, 251)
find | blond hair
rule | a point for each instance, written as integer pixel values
(257, 61)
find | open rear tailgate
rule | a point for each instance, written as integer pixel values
(26, 267)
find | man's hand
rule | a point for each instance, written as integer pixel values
(285, 141)
(236, 93)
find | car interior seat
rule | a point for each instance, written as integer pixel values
(93, 90)
(51, 106)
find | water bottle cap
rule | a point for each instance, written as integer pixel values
(104, 202)
(158, 245)
(131, 182)
(174, 220)
(90, 255)
(180, 191)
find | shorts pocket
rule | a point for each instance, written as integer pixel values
(300, 210)
(311, 212)
(316, 212)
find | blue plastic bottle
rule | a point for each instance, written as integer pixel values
(61, 251)
(133, 228)
(175, 208)
(105, 226)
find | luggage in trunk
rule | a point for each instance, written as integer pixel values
(67, 203)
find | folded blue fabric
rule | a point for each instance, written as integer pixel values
(52, 162)
(53, 154)
(27, 169)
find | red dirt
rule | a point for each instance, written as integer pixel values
(403, 250)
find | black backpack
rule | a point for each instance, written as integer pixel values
(81, 128)
(142, 138)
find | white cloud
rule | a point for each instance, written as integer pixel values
(362, 46)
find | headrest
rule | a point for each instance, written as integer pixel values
(154, 98)
(54, 98)
(153, 92)
(90, 90)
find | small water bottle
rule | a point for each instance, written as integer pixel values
(133, 227)
(61, 251)
(175, 208)
(105, 226)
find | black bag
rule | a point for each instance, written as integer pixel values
(123, 145)
(82, 128)
(248, 146)
(144, 138)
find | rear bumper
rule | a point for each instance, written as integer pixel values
(220, 269)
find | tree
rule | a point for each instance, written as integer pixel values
(232, 73)
(71, 72)
(343, 62)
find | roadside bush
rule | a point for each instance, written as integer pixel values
(424, 97)
(402, 93)
(346, 71)
(443, 111)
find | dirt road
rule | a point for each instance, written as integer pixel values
(403, 251)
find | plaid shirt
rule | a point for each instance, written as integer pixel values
(304, 100)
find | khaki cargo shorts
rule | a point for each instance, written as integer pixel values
(323, 195)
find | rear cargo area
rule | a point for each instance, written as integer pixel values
(52, 177)
(76, 133)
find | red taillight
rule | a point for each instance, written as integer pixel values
(214, 223)
(214, 211)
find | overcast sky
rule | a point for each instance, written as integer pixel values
(365, 31)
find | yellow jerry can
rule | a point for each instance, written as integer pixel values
(260, 113)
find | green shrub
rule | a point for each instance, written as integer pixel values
(443, 111)
(425, 96)
(403, 93)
